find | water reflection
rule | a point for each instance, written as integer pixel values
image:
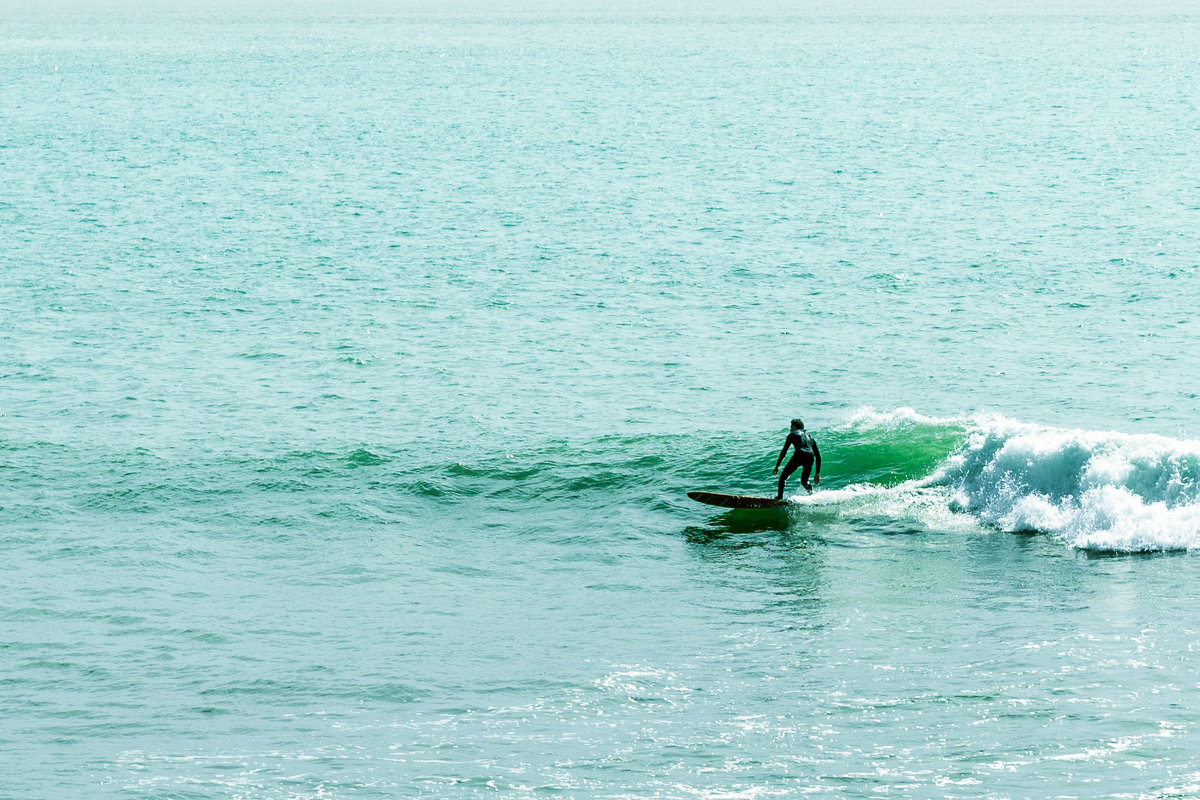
(761, 562)
(741, 521)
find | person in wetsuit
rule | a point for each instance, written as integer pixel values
(806, 455)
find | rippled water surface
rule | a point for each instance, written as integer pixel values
(355, 364)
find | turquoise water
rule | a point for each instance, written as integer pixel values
(355, 363)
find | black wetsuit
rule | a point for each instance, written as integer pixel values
(807, 455)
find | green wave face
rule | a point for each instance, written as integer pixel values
(1093, 489)
(880, 450)
(611, 471)
(890, 454)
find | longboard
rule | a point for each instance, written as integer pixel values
(737, 500)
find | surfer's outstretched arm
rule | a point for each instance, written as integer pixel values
(786, 444)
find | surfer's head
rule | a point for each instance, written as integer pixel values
(797, 424)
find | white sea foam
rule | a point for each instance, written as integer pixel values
(1102, 490)
(866, 418)
(927, 506)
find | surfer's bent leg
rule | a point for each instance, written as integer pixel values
(808, 465)
(791, 467)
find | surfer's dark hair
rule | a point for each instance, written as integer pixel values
(797, 423)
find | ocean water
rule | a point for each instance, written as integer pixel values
(355, 362)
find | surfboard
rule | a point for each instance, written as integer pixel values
(737, 500)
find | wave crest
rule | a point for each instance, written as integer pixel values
(1102, 490)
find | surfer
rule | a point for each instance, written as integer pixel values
(806, 455)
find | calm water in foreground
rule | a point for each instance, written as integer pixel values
(354, 365)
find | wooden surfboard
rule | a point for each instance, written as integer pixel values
(737, 500)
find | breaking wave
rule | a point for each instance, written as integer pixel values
(1096, 490)
(1102, 490)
